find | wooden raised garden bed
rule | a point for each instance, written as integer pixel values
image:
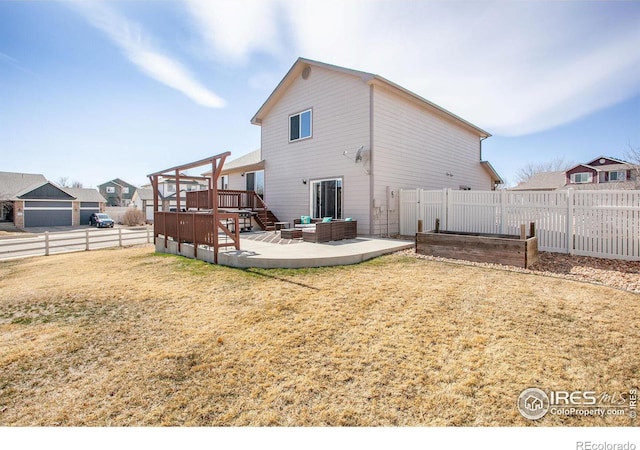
(478, 247)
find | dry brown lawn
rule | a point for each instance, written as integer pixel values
(128, 337)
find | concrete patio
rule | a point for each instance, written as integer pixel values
(264, 250)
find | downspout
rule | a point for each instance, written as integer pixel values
(482, 138)
(493, 182)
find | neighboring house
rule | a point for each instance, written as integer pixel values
(342, 143)
(245, 173)
(167, 192)
(602, 173)
(543, 181)
(117, 192)
(143, 200)
(29, 200)
(167, 187)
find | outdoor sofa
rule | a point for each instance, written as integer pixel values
(334, 230)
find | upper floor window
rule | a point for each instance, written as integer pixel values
(125, 190)
(618, 175)
(111, 190)
(583, 177)
(300, 126)
(171, 187)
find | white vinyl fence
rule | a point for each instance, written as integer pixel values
(604, 224)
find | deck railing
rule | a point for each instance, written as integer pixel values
(226, 199)
(198, 229)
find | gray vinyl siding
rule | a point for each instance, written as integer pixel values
(415, 147)
(340, 122)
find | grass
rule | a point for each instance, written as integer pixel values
(129, 337)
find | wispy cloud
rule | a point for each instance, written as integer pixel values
(134, 43)
(233, 30)
(6, 59)
(511, 67)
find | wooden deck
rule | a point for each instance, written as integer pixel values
(233, 199)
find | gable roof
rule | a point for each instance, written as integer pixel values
(595, 160)
(146, 193)
(250, 159)
(13, 184)
(495, 177)
(245, 163)
(46, 191)
(117, 181)
(368, 78)
(543, 181)
(86, 195)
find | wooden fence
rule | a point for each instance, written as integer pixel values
(50, 243)
(599, 223)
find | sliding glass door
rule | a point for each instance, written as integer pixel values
(326, 198)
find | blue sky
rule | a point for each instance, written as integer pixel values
(97, 90)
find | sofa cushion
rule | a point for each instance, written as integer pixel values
(326, 219)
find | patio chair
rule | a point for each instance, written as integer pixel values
(350, 229)
(320, 233)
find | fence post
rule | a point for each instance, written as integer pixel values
(86, 240)
(570, 227)
(46, 243)
(418, 204)
(447, 208)
(120, 237)
(503, 195)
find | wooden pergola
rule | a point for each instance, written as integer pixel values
(195, 227)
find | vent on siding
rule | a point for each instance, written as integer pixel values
(306, 72)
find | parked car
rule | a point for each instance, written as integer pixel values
(101, 220)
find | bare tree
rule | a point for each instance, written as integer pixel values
(530, 169)
(65, 182)
(633, 156)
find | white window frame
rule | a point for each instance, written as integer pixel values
(621, 175)
(110, 190)
(299, 114)
(575, 176)
(125, 190)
